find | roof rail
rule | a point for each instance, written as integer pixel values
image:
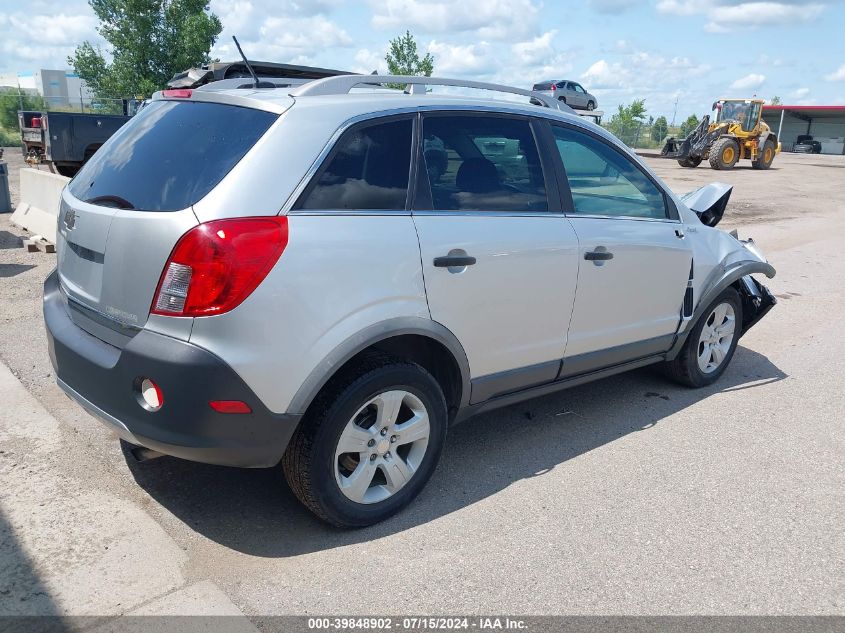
(342, 84)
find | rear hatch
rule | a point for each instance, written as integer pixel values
(125, 210)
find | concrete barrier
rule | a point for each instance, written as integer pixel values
(38, 209)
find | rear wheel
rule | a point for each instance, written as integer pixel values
(689, 162)
(724, 153)
(69, 171)
(369, 443)
(710, 345)
(766, 156)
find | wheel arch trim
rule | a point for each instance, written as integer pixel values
(370, 336)
(724, 277)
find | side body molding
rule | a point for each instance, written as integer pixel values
(722, 277)
(371, 335)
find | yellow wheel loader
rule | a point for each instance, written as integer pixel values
(737, 131)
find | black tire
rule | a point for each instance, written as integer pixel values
(562, 99)
(591, 105)
(309, 462)
(684, 367)
(720, 150)
(69, 171)
(766, 156)
(689, 162)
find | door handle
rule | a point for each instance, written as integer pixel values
(597, 256)
(449, 261)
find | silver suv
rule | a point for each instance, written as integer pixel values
(330, 279)
(570, 92)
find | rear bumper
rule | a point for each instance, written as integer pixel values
(103, 378)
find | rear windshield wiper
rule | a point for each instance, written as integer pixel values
(111, 201)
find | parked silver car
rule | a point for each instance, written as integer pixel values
(570, 92)
(330, 279)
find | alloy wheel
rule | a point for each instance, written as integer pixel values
(716, 338)
(382, 446)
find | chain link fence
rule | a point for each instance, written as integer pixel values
(641, 135)
(21, 100)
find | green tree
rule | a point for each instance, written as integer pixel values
(149, 41)
(775, 100)
(689, 125)
(659, 129)
(403, 58)
(11, 100)
(627, 121)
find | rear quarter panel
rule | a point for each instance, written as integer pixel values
(338, 275)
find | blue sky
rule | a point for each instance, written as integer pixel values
(659, 50)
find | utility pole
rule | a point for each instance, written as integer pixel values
(674, 114)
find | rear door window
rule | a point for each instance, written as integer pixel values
(170, 155)
(483, 163)
(367, 170)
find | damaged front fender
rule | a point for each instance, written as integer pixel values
(757, 300)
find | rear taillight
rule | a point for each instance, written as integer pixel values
(216, 265)
(554, 87)
(35, 121)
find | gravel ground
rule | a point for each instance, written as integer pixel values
(629, 495)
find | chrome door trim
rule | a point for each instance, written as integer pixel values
(595, 216)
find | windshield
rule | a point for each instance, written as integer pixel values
(169, 155)
(745, 113)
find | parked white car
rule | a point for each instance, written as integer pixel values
(249, 276)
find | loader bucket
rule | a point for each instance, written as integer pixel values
(675, 148)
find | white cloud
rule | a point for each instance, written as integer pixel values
(489, 19)
(366, 61)
(41, 37)
(537, 50)
(458, 60)
(602, 75)
(837, 75)
(801, 93)
(294, 40)
(751, 80)
(725, 16)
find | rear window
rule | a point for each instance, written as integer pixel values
(368, 171)
(170, 155)
(547, 85)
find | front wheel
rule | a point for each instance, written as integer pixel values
(710, 345)
(591, 105)
(724, 153)
(689, 162)
(369, 443)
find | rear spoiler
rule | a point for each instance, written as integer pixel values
(709, 202)
(216, 71)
